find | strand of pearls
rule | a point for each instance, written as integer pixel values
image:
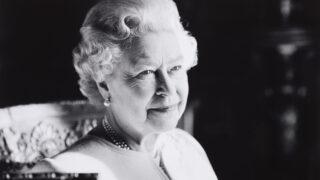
(115, 137)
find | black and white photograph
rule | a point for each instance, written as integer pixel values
(160, 89)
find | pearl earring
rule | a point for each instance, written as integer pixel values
(107, 102)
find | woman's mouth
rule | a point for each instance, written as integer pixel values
(164, 109)
(167, 115)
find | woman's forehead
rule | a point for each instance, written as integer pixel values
(146, 60)
(155, 47)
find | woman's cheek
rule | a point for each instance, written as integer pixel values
(183, 86)
(145, 88)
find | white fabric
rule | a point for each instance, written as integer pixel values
(182, 156)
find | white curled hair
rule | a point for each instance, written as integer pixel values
(109, 28)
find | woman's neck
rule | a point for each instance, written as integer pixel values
(138, 143)
(133, 143)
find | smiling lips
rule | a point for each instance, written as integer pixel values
(164, 109)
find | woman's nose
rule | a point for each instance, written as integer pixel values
(165, 84)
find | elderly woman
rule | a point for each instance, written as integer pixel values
(133, 59)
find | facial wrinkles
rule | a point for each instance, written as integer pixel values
(162, 77)
(156, 59)
(130, 79)
(139, 85)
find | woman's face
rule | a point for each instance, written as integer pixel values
(155, 63)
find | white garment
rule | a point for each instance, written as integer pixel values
(182, 157)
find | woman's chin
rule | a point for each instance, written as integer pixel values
(161, 122)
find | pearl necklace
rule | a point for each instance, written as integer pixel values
(115, 137)
(118, 140)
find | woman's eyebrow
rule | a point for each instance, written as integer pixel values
(176, 59)
(141, 58)
(140, 61)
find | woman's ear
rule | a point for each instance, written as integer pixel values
(104, 90)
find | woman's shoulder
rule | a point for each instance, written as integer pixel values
(81, 147)
(86, 144)
(39, 167)
(70, 162)
(81, 153)
(186, 150)
(185, 139)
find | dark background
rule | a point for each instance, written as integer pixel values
(232, 123)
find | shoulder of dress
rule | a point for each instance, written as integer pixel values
(83, 151)
(40, 167)
(184, 148)
(186, 140)
(181, 133)
(76, 162)
(86, 144)
(71, 162)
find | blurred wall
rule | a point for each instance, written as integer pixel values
(36, 45)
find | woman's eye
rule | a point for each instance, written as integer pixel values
(175, 68)
(146, 72)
